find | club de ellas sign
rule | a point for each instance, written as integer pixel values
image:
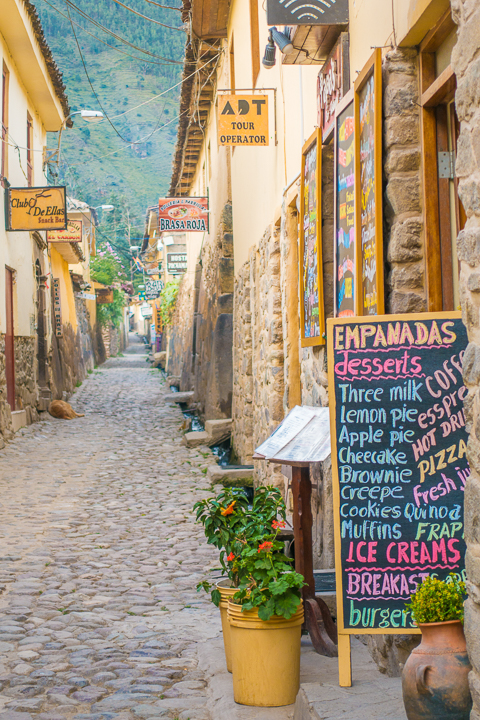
(184, 214)
(40, 208)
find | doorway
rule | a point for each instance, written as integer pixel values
(9, 339)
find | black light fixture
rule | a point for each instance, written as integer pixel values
(275, 37)
(284, 43)
(270, 51)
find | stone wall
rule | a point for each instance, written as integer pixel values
(65, 363)
(258, 353)
(6, 428)
(25, 377)
(201, 334)
(466, 63)
(405, 289)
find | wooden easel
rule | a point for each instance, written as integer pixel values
(318, 620)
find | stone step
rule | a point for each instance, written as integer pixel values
(180, 397)
(231, 477)
(196, 438)
(219, 429)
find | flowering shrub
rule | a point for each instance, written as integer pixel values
(230, 524)
(438, 600)
(267, 581)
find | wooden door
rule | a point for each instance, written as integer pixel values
(9, 342)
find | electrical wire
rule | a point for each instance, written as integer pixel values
(151, 62)
(157, 22)
(168, 90)
(166, 7)
(70, 4)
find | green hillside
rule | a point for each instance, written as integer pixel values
(138, 174)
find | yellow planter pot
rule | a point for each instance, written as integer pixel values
(265, 657)
(226, 593)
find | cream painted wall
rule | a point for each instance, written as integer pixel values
(412, 19)
(60, 269)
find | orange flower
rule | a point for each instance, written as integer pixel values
(265, 546)
(277, 524)
(230, 557)
(228, 510)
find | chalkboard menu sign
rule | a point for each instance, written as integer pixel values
(368, 186)
(344, 258)
(400, 467)
(312, 317)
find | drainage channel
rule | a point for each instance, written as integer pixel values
(223, 450)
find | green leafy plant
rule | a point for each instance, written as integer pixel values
(438, 600)
(230, 524)
(168, 299)
(268, 582)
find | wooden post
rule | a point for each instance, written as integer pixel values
(318, 620)
(344, 661)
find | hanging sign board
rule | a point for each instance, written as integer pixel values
(312, 321)
(332, 83)
(146, 311)
(183, 214)
(368, 187)
(104, 296)
(316, 12)
(344, 249)
(176, 263)
(40, 208)
(73, 233)
(399, 460)
(57, 307)
(243, 120)
(153, 288)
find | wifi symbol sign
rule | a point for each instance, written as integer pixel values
(313, 12)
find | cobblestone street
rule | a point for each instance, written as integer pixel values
(99, 558)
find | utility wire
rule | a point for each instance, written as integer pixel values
(166, 7)
(151, 62)
(157, 22)
(70, 4)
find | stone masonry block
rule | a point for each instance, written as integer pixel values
(403, 130)
(227, 218)
(472, 632)
(467, 96)
(472, 512)
(227, 244)
(469, 192)
(225, 303)
(467, 43)
(225, 275)
(407, 276)
(468, 246)
(400, 98)
(471, 365)
(401, 60)
(400, 160)
(403, 195)
(408, 302)
(406, 241)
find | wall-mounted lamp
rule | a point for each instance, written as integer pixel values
(275, 37)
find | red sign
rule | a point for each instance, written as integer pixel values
(185, 214)
(332, 84)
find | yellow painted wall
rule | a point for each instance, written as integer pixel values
(60, 269)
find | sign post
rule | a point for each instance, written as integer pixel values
(399, 462)
(183, 214)
(243, 120)
(73, 233)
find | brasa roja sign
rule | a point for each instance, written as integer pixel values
(400, 467)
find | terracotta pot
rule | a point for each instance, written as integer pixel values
(226, 592)
(435, 676)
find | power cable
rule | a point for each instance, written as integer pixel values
(166, 7)
(117, 37)
(151, 62)
(157, 22)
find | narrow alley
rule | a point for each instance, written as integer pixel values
(99, 557)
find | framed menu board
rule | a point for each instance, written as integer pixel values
(312, 315)
(344, 247)
(399, 457)
(368, 187)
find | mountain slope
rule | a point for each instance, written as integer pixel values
(97, 165)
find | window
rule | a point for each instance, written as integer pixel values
(29, 150)
(4, 168)
(444, 213)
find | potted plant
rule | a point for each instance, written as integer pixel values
(435, 676)
(230, 523)
(266, 616)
